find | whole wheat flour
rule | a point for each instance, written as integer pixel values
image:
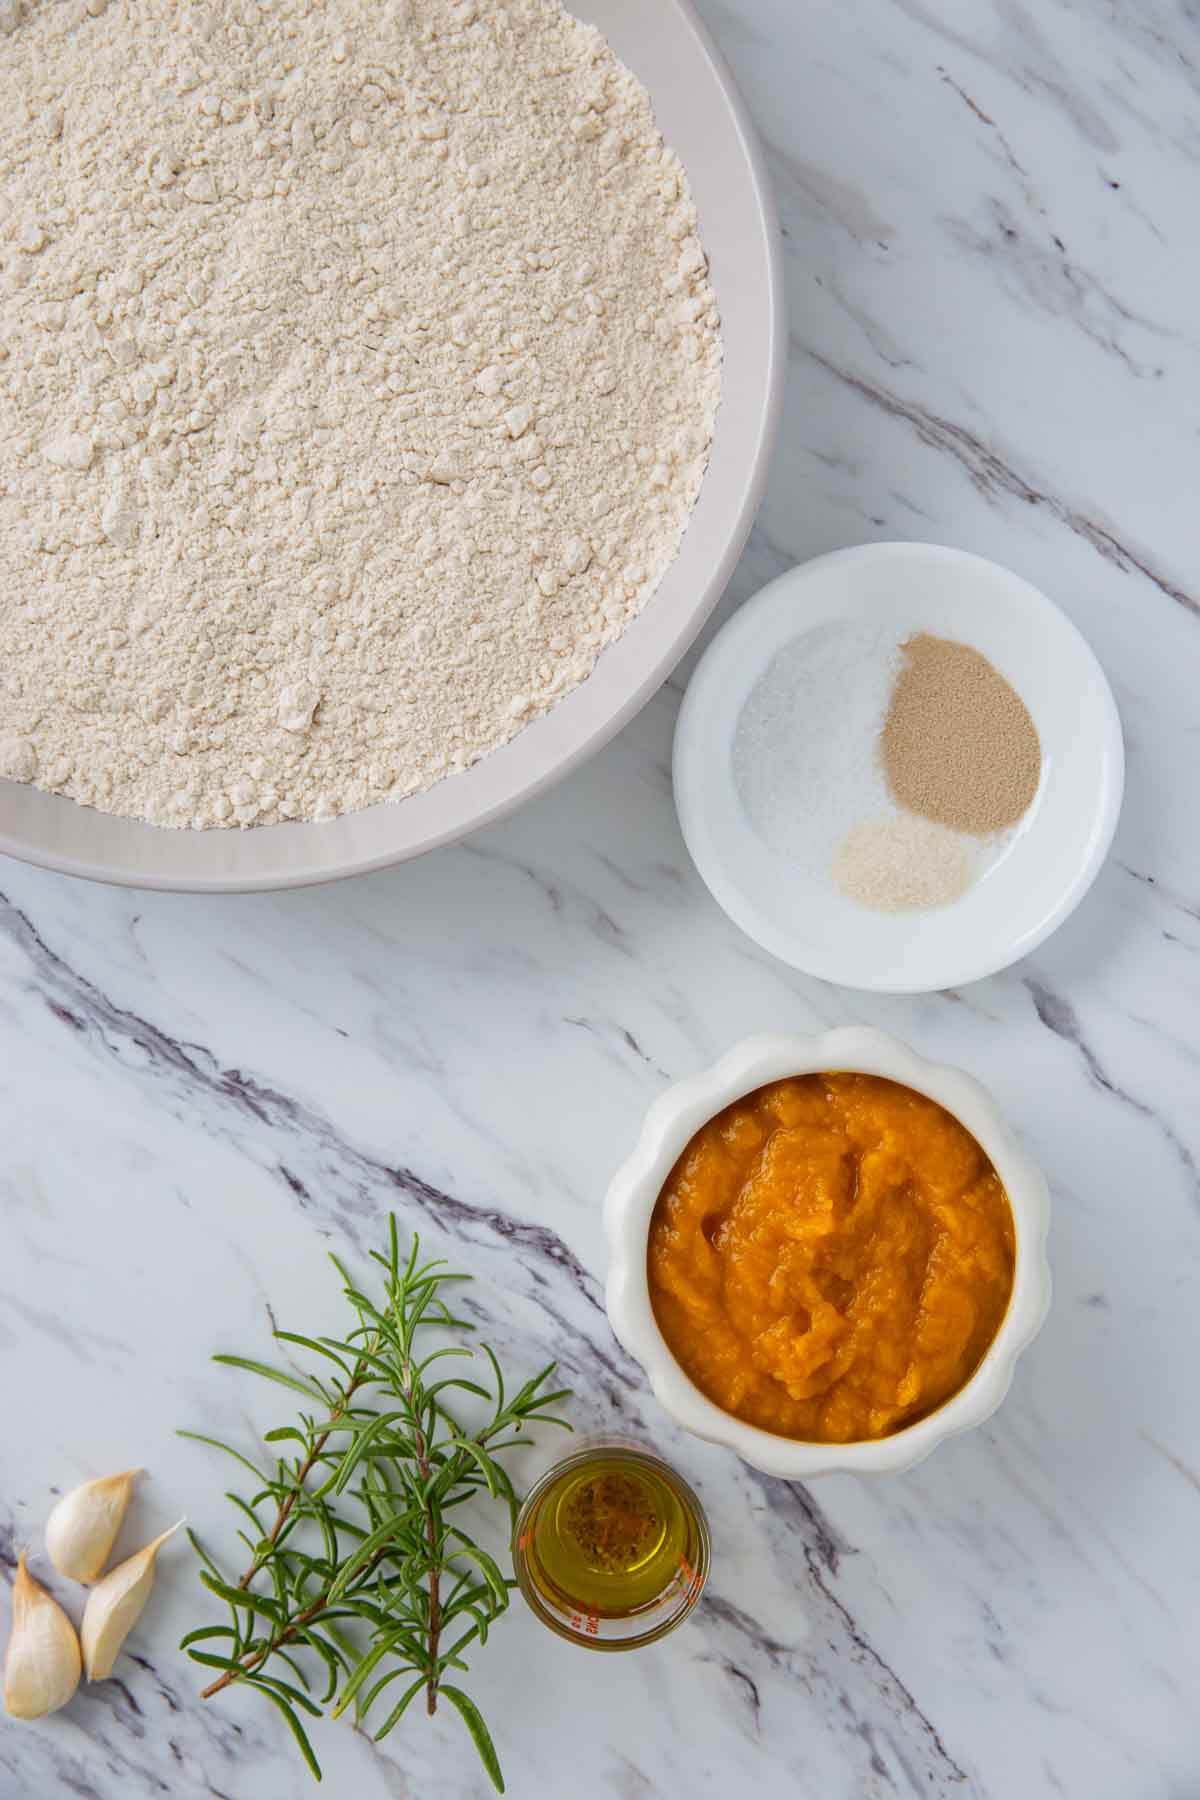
(358, 368)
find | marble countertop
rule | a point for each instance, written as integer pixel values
(992, 263)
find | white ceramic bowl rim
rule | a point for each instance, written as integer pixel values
(703, 118)
(671, 1122)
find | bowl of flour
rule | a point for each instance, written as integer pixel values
(386, 393)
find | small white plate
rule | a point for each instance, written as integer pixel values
(1052, 857)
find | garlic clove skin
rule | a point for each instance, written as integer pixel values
(41, 1669)
(83, 1527)
(114, 1607)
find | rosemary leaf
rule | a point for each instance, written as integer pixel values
(473, 1720)
(308, 1388)
(198, 1437)
(402, 1705)
(296, 1728)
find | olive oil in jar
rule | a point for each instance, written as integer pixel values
(612, 1544)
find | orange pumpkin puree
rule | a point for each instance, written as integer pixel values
(831, 1257)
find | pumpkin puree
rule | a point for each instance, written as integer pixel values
(831, 1257)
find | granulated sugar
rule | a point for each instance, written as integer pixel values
(805, 753)
(358, 368)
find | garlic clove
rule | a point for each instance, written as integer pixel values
(41, 1669)
(83, 1527)
(114, 1607)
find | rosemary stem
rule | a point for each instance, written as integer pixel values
(287, 1505)
(435, 1604)
(288, 1635)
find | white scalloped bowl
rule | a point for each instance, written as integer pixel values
(673, 1120)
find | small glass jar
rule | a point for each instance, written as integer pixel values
(611, 1548)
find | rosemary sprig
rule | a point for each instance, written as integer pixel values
(358, 1562)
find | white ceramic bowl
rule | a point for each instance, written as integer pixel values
(1054, 854)
(672, 1121)
(664, 43)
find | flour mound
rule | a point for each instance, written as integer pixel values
(358, 370)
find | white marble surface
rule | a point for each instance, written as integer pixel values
(992, 256)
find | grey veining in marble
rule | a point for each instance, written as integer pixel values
(993, 262)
